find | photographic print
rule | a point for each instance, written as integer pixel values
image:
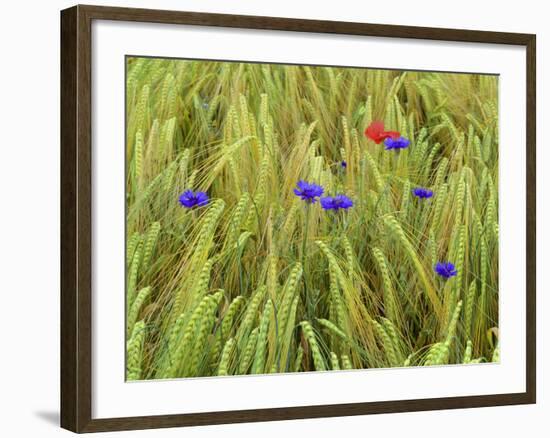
(295, 218)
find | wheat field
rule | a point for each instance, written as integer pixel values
(253, 278)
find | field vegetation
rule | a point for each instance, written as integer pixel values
(247, 275)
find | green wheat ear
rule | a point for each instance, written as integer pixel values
(298, 359)
(233, 309)
(249, 352)
(467, 352)
(259, 360)
(136, 307)
(346, 362)
(333, 329)
(224, 361)
(390, 298)
(334, 363)
(250, 314)
(318, 360)
(150, 242)
(289, 293)
(134, 349)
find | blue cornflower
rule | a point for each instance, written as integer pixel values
(344, 164)
(337, 202)
(445, 269)
(308, 191)
(398, 143)
(190, 199)
(422, 193)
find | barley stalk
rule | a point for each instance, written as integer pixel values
(134, 348)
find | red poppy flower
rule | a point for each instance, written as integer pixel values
(376, 132)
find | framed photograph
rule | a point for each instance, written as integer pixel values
(270, 218)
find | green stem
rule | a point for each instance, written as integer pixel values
(307, 298)
(304, 237)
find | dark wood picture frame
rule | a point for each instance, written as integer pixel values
(76, 218)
